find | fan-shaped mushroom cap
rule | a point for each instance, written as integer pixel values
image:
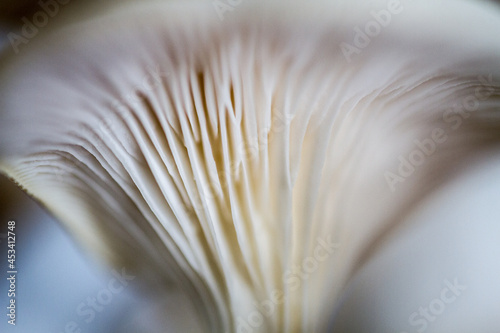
(252, 161)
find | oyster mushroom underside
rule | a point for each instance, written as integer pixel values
(258, 160)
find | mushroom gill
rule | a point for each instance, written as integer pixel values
(251, 163)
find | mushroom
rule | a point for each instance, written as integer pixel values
(254, 156)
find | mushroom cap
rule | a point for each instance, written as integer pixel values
(245, 160)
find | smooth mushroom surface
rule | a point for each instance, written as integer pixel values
(253, 158)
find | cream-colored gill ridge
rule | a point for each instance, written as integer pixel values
(240, 161)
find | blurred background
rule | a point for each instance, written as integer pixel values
(55, 278)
